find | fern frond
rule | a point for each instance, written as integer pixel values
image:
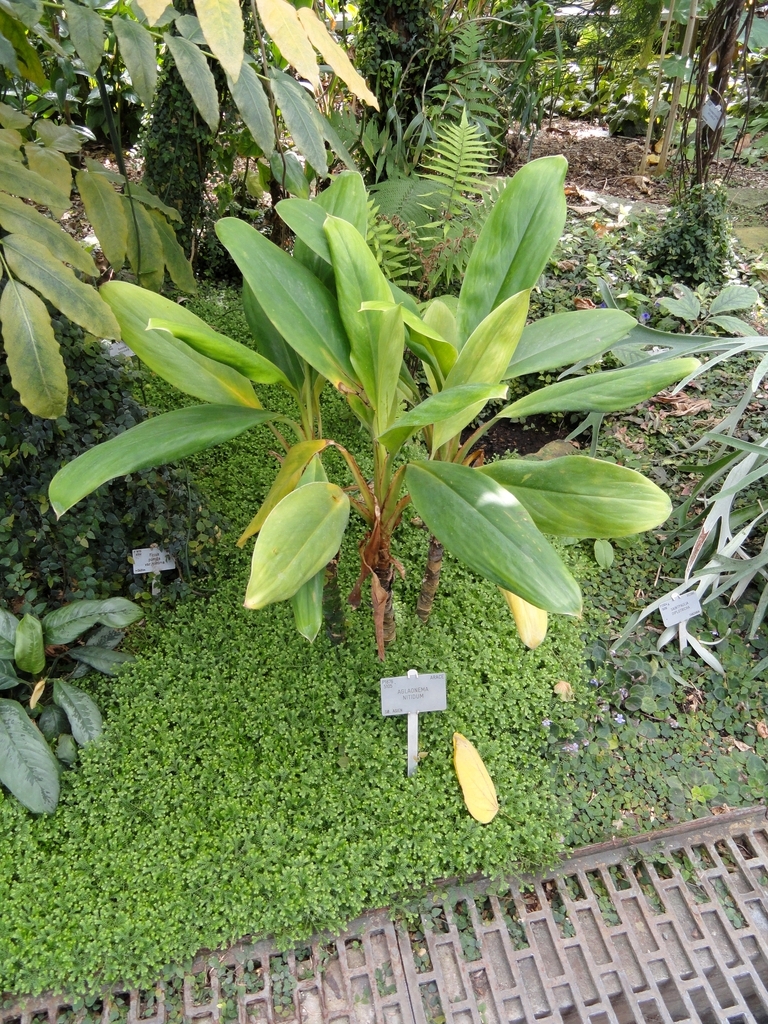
(413, 200)
(458, 163)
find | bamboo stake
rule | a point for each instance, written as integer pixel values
(657, 91)
(675, 102)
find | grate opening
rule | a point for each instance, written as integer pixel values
(703, 857)
(757, 1006)
(253, 976)
(670, 993)
(558, 909)
(355, 953)
(604, 902)
(648, 888)
(462, 918)
(690, 876)
(431, 1004)
(622, 1009)
(515, 927)
(727, 902)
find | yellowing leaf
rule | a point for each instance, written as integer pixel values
(334, 55)
(282, 22)
(531, 621)
(153, 9)
(476, 784)
(37, 693)
(564, 690)
(222, 25)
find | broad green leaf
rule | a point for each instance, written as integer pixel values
(604, 554)
(331, 136)
(101, 658)
(8, 626)
(288, 170)
(734, 325)
(216, 346)
(137, 48)
(177, 263)
(84, 717)
(423, 339)
(8, 59)
(306, 219)
(566, 338)
(222, 25)
(300, 307)
(302, 118)
(66, 748)
(251, 100)
(8, 678)
(66, 624)
(445, 405)
(161, 439)
(686, 305)
(27, 60)
(307, 602)
(53, 722)
(34, 357)
(138, 191)
(10, 145)
(106, 212)
(270, 343)
(174, 360)
(16, 216)
(335, 56)
(487, 528)
(576, 496)
(734, 296)
(145, 256)
(301, 534)
(608, 391)
(515, 242)
(20, 181)
(28, 12)
(282, 23)
(375, 355)
(50, 165)
(27, 766)
(197, 76)
(12, 118)
(35, 265)
(439, 316)
(29, 652)
(58, 137)
(153, 10)
(287, 480)
(346, 197)
(486, 354)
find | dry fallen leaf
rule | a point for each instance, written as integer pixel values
(564, 690)
(762, 729)
(581, 303)
(476, 784)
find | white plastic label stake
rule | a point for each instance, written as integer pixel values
(119, 348)
(679, 609)
(712, 115)
(151, 560)
(408, 695)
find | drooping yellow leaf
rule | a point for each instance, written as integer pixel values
(476, 784)
(153, 9)
(222, 25)
(37, 693)
(282, 22)
(335, 56)
(531, 621)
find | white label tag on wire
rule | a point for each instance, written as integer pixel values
(679, 609)
(151, 560)
(712, 115)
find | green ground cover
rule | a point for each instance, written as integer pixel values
(247, 783)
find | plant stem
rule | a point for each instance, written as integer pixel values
(431, 580)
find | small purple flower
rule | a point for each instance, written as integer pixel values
(546, 723)
(623, 693)
(645, 317)
(603, 305)
(571, 748)
(594, 682)
(619, 719)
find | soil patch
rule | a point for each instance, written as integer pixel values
(521, 439)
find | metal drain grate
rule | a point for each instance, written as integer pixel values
(651, 930)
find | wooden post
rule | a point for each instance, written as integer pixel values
(675, 102)
(657, 91)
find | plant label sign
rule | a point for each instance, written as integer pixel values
(408, 695)
(712, 115)
(119, 348)
(679, 609)
(151, 560)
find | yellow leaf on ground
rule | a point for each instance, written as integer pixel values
(476, 784)
(334, 55)
(531, 622)
(282, 22)
(564, 690)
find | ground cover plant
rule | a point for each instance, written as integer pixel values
(259, 785)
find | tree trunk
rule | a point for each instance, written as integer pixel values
(383, 611)
(431, 579)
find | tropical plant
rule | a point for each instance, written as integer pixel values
(30, 651)
(40, 260)
(356, 339)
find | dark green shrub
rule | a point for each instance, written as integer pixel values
(693, 244)
(43, 562)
